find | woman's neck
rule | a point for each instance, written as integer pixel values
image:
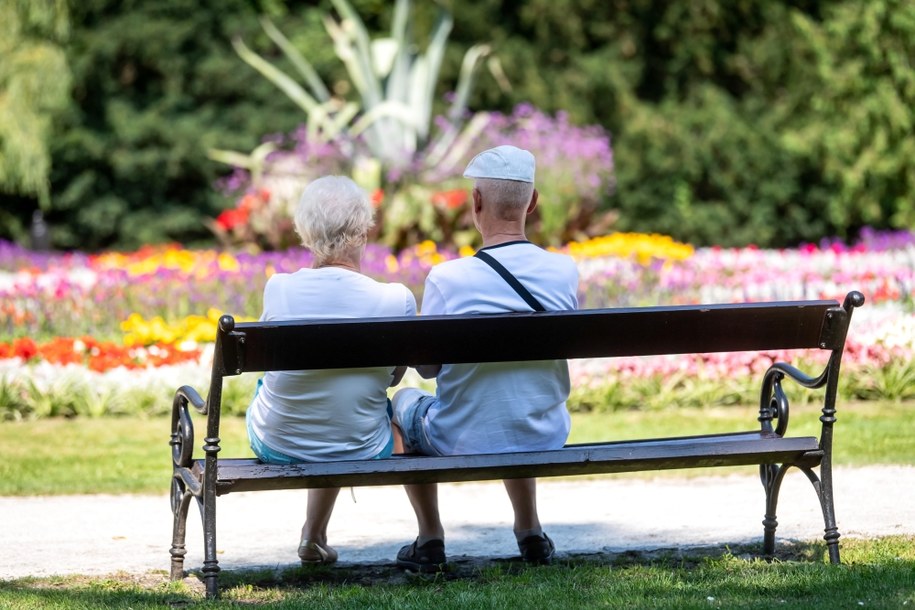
(343, 264)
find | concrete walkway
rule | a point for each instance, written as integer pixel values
(96, 535)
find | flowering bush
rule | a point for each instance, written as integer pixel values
(391, 145)
(268, 186)
(386, 137)
(419, 202)
(254, 221)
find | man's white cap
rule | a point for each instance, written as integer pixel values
(502, 163)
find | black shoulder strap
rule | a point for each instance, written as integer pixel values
(511, 279)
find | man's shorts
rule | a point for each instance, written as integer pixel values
(410, 408)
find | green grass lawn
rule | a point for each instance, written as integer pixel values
(132, 455)
(119, 455)
(875, 574)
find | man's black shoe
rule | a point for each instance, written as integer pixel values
(537, 549)
(427, 559)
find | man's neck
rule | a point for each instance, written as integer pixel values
(494, 239)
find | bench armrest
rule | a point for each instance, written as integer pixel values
(182, 438)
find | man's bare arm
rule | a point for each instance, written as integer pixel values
(398, 374)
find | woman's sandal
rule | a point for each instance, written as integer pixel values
(312, 553)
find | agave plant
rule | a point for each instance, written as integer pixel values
(396, 84)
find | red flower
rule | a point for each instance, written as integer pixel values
(450, 200)
(96, 355)
(25, 348)
(229, 219)
(377, 198)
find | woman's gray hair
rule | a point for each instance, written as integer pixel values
(333, 217)
(510, 197)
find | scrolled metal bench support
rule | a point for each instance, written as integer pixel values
(211, 448)
(774, 405)
(182, 443)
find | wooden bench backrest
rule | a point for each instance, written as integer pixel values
(323, 344)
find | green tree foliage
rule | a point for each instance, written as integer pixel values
(852, 116)
(733, 122)
(34, 87)
(771, 121)
(155, 85)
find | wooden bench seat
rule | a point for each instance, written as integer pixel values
(749, 448)
(323, 344)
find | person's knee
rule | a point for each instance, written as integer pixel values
(401, 405)
(409, 407)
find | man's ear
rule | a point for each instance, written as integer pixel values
(477, 200)
(533, 204)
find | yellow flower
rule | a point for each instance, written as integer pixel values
(227, 262)
(644, 248)
(192, 329)
(425, 248)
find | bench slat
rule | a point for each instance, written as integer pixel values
(325, 344)
(716, 450)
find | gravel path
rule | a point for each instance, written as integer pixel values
(96, 535)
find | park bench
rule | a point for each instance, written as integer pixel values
(641, 331)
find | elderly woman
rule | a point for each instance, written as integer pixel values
(323, 415)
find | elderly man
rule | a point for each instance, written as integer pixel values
(491, 407)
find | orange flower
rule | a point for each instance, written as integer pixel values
(253, 201)
(377, 198)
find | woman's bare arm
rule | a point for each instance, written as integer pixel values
(428, 371)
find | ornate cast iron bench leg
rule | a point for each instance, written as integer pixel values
(823, 487)
(180, 502)
(772, 477)
(210, 563)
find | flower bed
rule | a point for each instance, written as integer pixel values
(106, 327)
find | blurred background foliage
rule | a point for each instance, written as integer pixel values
(34, 87)
(732, 121)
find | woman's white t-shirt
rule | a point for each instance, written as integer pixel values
(327, 414)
